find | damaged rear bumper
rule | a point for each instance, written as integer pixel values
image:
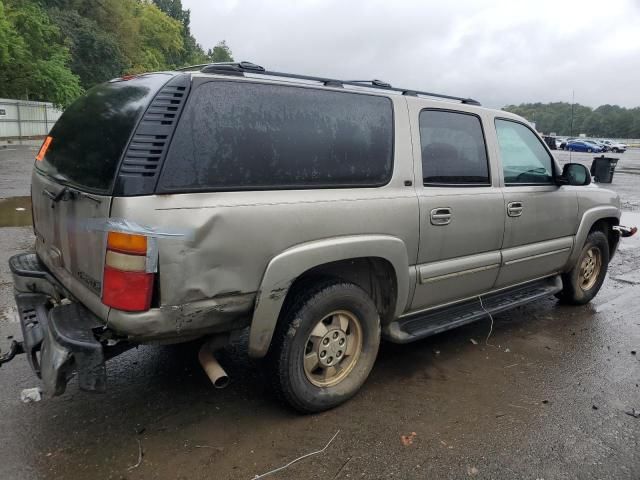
(59, 341)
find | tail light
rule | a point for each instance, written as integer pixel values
(128, 276)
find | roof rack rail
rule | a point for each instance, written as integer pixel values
(240, 68)
(374, 82)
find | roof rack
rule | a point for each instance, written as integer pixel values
(240, 68)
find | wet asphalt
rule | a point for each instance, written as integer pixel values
(549, 395)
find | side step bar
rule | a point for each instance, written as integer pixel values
(424, 324)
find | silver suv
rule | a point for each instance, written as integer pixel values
(320, 215)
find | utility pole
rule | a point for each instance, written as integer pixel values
(573, 102)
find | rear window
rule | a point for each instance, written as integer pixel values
(88, 139)
(239, 135)
(453, 149)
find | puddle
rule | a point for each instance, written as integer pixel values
(15, 212)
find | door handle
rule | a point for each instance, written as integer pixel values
(514, 209)
(440, 216)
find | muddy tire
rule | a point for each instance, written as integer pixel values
(324, 346)
(583, 282)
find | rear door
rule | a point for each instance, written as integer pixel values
(74, 176)
(461, 207)
(541, 217)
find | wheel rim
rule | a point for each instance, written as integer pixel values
(590, 268)
(333, 348)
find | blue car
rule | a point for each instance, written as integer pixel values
(580, 146)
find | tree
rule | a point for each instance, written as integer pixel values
(192, 52)
(95, 53)
(54, 49)
(605, 121)
(220, 53)
(34, 62)
(160, 38)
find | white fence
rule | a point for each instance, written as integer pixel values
(24, 119)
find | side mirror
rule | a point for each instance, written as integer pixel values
(575, 174)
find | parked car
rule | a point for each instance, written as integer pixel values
(560, 142)
(583, 146)
(563, 145)
(599, 143)
(615, 147)
(307, 211)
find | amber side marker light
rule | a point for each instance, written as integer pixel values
(127, 285)
(43, 149)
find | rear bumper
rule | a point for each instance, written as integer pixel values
(59, 341)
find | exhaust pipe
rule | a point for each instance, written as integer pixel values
(212, 368)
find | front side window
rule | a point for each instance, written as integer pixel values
(453, 149)
(237, 135)
(524, 158)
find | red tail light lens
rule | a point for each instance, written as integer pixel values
(130, 291)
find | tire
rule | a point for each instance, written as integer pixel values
(614, 150)
(329, 303)
(590, 150)
(579, 288)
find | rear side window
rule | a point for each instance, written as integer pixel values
(453, 149)
(238, 135)
(88, 139)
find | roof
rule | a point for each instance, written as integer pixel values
(244, 68)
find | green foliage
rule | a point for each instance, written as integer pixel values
(605, 121)
(160, 38)
(192, 52)
(54, 49)
(95, 53)
(34, 60)
(220, 53)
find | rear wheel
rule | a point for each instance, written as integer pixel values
(583, 282)
(325, 346)
(614, 150)
(590, 150)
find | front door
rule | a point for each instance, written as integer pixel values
(461, 208)
(541, 217)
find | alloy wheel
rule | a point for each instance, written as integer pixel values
(333, 348)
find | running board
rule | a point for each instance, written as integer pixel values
(420, 325)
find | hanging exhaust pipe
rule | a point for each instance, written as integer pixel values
(212, 368)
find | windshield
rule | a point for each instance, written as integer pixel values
(88, 139)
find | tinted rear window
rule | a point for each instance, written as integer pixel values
(238, 135)
(91, 134)
(453, 149)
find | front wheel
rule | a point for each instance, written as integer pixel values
(590, 150)
(584, 280)
(324, 347)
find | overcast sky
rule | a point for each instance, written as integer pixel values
(499, 52)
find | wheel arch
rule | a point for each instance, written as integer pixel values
(600, 218)
(376, 263)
